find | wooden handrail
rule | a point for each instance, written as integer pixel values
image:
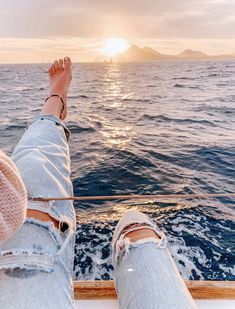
(199, 289)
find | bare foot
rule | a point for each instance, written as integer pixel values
(60, 74)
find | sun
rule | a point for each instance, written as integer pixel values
(114, 46)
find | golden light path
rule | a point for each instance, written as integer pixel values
(114, 46)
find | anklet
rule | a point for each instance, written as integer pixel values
(56, 95)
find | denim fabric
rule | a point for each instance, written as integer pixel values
(36, 264)
(146, 277)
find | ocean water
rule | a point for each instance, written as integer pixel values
(156, 128)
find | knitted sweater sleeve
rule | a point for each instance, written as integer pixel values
(13, 198)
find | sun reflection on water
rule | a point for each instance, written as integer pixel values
(113, 79)
(113, 135)
(116, 136)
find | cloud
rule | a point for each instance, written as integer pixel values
(41, 30)
(133, 18)
(25, 50)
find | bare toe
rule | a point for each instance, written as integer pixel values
(50, 70)
(67, 63)
(56, 65)
(53, 69)
(61, 65)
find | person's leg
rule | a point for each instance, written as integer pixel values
(145, 274)
(39, 263)
(42, 155)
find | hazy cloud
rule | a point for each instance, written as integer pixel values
(130, 18)
(41, 30)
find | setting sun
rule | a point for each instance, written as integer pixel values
(114, 46)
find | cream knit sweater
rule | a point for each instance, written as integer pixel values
(13, 198)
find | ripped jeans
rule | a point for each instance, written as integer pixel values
(36, 264)
(145, 275)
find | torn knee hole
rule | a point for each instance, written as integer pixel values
(45, 217)
(132, 228)
(135, 225)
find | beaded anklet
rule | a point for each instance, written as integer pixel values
(62, 101)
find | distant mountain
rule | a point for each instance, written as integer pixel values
(191, 54)
(135, 54)
(148, 54)
(156, 54)
(151, 51)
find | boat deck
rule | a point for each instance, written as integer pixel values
(207, 294)
(113, 304)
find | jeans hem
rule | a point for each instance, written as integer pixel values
(54, 119)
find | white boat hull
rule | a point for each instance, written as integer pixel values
(113, 304)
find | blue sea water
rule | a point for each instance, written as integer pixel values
(158, 128)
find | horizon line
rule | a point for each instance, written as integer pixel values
(129, 62)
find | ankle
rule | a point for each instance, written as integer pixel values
(52, 106)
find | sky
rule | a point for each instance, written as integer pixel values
(41, 30)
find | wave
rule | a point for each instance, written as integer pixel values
(136, 100)
(185, 86)
(80, 129)
(213, 75)
(14, 127)
(79, 96)
(184, 78)
(162, 118)
(179, 86)
(221, 110)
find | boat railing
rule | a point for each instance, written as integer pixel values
(135, 196)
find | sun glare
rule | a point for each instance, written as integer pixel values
(114, 46)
